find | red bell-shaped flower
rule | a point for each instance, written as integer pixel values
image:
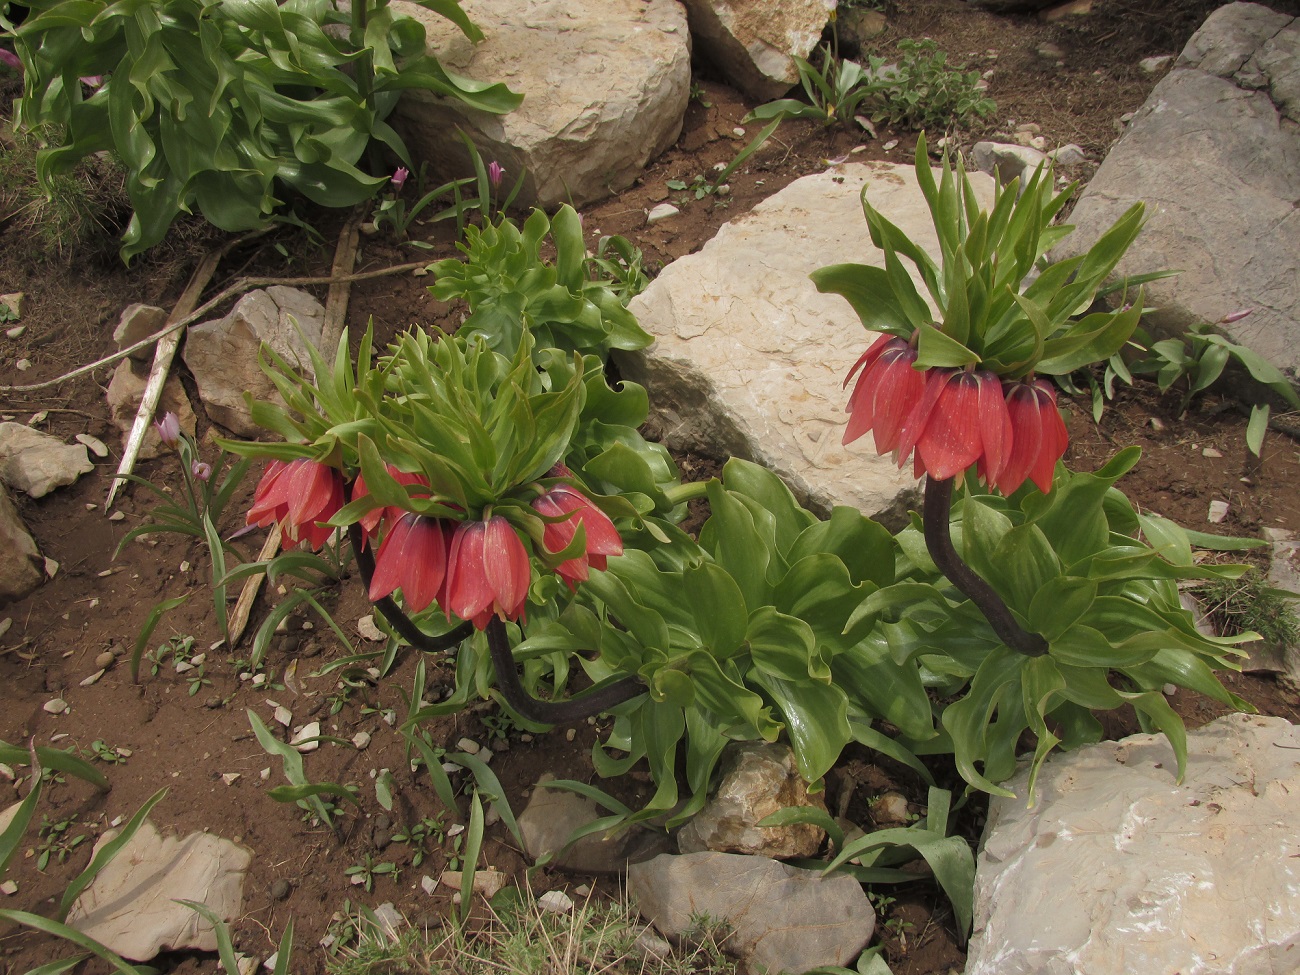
(487, 572)
(1038, 437)
(602, 538)
(371, 520)
(299, 494)
(413, 556)
(967, 423)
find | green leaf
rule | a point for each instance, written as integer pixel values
(718, 607)
(13, 833)
(146, 631)
(935, 349)
(811, 815)
(104, 854)
(1257, 427)
(63, 931)
(816, 719)
(1059, 604)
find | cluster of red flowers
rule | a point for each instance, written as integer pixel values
(953, 418)
(474, 569)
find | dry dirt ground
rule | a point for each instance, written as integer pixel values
(185, 735)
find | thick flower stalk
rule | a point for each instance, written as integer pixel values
(302, 495)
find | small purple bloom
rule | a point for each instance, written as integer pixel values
(495, 172)
(201, 470)
(398, 178)
(1236, 316)
(11, 60)
(169, 429)
(94, 80)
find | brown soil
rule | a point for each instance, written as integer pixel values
(185, 737)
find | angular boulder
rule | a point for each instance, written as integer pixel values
(1215, 154)
(21, 568)
(126, 389)
(759, 779)
(753, 43)
(36, 463)
(1119, 869)
(222, 354)
(749, 359)
(605, 86)
(782, 918)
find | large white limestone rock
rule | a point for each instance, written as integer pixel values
(1118, 869)
(749, 359)
(605, 86)
(1215, 154)
(753, 43)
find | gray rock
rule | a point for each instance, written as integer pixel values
(131, 905)
(138, 322)
(1283, 573)
(758, 779)
(783, 918)
(753, 43)
(222, 354)
(1007, 161)
(1118, 869)
(749, 360)
(552, 815)
(605, 86)
(1068, 155)
(37, 463)
(125, 390)
(1215, 153)
(21, 564)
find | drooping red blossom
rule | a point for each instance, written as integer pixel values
(967, 423)
(413, 556)
(488, 572)
(1038, 437)
(885, 392)
(371, 519)
(602, 538)
(299, 494)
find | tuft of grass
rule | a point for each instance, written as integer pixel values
(1248, 604)
(597, 936)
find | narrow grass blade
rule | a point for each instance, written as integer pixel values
(292, 764)
(486, 781)
(469, 864)
(150, 623)
(225, 947)
(13, 834)
(60, 930)
(284, 951)
(218, 554)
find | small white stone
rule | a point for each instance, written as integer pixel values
(91, 506)
(300, 740)
(366, 627)
(8, 888)
(229, 777)
(16, 332)
(582, 890)
(468, 745)
(264, 774)
(428, 884)
(259, 680)
(6, 772)
(198, 658)
(420, 272)
(1218, 511)
(1210, 452)
(51, 567)
(738, 132)
(1169, 690)
(183, 666)
(117, 516)
(283, 715)
(93, 678)
(271, 962)
(361, 740)
(5, 623)
(571, 734)
(185, 566)
(374, 673)
(105, 660)
(661, 212)
(127, 753)
(555, 902)
(93, 444)
(22, 365)
(56, 706)
(891, 144)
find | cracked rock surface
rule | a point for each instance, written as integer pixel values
(1215, 153)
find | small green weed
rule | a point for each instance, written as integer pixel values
(56, 840)
(364, 873)
(1250, 604)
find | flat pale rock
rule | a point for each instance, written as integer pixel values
(130, 906)
(125, 391)
(605, 86)
(1118, 869)
(37, 463)
(783, 918)
(1215, 154)
(749, 359)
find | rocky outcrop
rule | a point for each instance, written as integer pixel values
(222, 354)
(1117, 868)
(758, 779)
(21, 569)
(1215, 153)
(37, 463)
(753, 43)
(782, 918)
(749, 359)
(605, 86)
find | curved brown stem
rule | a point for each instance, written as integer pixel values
(399, 621)
(595, 701)
(934, 520)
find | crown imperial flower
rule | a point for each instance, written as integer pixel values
(487, 572)
(413, 557)
(573, 508)
(299, 494)
(371, 520)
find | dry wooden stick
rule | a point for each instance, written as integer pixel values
(240, 286)
(336, 303)
(162, 364)
(244, 606)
